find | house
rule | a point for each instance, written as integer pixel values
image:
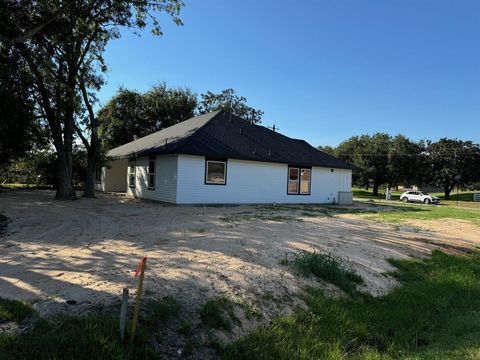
(219, 158)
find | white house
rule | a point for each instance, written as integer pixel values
(219, 158)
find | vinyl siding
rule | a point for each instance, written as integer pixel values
(165, 179)
(113, 177)
(254, 182)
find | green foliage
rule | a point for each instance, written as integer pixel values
(328, 267)
(13, 310)
(130, 114)
(229, 101)
(434, 315)
(218, 313)
(452, 163)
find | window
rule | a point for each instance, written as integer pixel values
(293, 180)
(131, 173)
(299, 180)
(215, 172)
(151, 173)
(305, 181)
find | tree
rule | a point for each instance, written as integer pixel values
(451, 162)
(63, 55)
(18, 126)
(370, 154)
(228, 100)
(328, 149)
(404, 161)
(130, 114)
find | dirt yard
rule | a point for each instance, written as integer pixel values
(86, 250)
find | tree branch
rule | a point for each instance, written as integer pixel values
(29, 33)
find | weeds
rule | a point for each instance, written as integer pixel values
(14, 310)
(328, 267)
(218, 313)
(160, 310)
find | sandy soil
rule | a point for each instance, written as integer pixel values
(87, 250)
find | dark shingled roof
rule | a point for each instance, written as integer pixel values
(222, 135)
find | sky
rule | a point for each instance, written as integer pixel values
(321, 70)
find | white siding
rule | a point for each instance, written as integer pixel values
(113, 177)
(165, 179)
(254, 182)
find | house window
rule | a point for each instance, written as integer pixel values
(131, 173)
(299, 181)
(215, 172)
(305, 181)
(151, 173)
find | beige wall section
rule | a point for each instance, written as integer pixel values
(165, 179)
(114, 177)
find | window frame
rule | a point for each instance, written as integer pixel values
(150, 159)
(130, 172)
(299, 181)
(214, 160)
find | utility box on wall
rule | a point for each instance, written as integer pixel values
(345, 198)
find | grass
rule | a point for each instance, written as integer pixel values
(327, 267)
(81, 337)
(422, 212)
(86, 337)
(159, 310)
(218, 313)
(434, 315)
(13, 310)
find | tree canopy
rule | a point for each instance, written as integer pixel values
(130, 114)
(228, 100)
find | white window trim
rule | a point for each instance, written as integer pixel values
(149, 173)
(132, 172)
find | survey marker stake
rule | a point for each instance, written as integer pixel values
(140, 269)
(123, 313)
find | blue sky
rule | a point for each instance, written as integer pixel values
(322, 70)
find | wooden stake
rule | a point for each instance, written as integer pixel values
(123, 313)
(143, 265)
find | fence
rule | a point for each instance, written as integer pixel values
(476, 197)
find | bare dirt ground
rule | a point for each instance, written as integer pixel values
(86, 250)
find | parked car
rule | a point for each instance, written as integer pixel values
(418, 196)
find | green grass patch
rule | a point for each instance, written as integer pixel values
(14, 310)
(159, 310)
(219, 313)
(426, 212)
(327, 267)
(86, 337)
(435, 314)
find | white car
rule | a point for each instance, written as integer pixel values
(418, 196)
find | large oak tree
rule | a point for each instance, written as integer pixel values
(61, 44)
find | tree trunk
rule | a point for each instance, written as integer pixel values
(89, 190)
(375, 188)
(447, 191)
(65, 190)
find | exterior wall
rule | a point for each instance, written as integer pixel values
(254, 182)
(113, 177)
(165, 179)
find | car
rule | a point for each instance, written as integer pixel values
(418, 196)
